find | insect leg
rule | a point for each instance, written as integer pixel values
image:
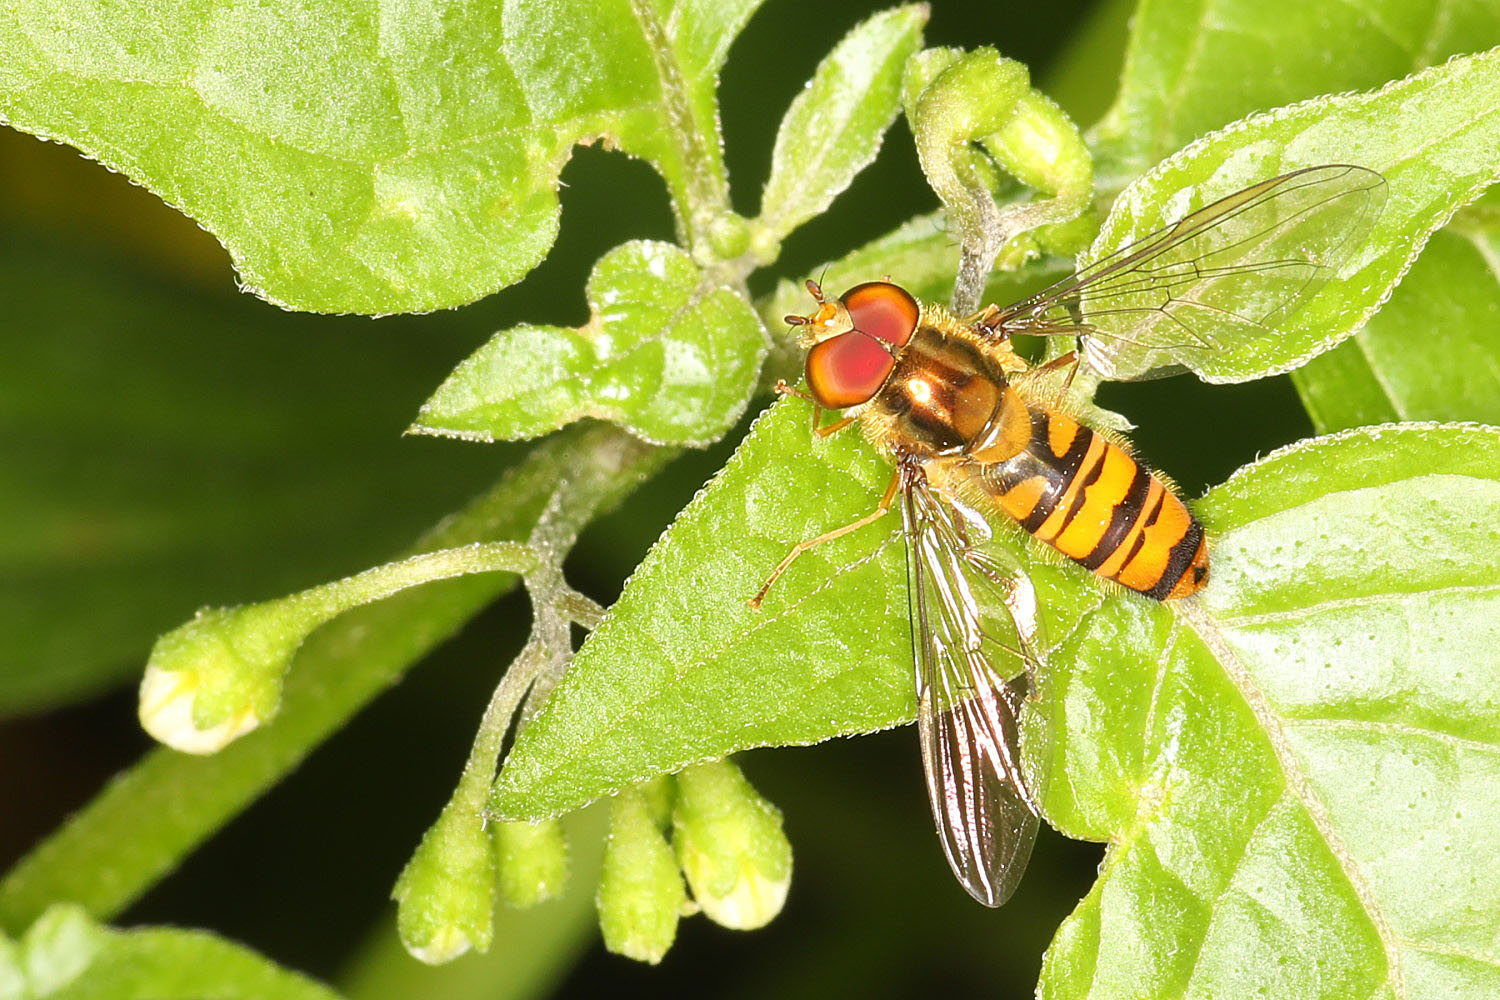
(782, 388)
(880, 509)
(1071, 361)
(833, 428)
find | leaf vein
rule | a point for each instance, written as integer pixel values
(1361, 601)
(1394, 729)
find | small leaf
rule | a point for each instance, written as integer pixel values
(363, 159)
(665, 353)
(65, 954)
(57, 950)
(219, 676)
(833, 128)
(1433, 136)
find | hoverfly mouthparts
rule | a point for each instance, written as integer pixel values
(831, 319)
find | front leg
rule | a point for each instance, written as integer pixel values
(828, 536)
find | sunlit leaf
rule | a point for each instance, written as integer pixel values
(1433, 136)
(362, 158)
(833, 128)
(1193, 65)
(666, 353)
(66, 956)
(1297, 771)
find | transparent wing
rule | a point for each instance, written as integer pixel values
(1228, 273)
(975, 633)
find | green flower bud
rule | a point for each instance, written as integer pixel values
(531, 860)
(445, 895)
(641, 893)
(731, 846)
(729, 236)
(217, 677)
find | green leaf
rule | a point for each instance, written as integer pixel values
(1193, 67)
(667, 353)
(66, 956)
(358, 158)
(1296, 771)
(833, 128)
(682, 670)
(1196, 65)
(1429, 354)
(1433, 136)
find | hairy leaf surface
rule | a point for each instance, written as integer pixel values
(1431, 352)
(666, 353)
(1193, 66)
(375, 158)
(833, 128)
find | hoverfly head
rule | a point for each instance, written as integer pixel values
(853, 341)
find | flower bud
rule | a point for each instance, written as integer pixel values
(445, 895)
(531, 861)
(641, 893)
(731, 846)
(215, 678)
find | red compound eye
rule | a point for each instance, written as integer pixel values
(883, 310)
(847, 370)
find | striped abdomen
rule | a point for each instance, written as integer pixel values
(1089, 499)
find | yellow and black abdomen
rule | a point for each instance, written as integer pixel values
(1092, 501)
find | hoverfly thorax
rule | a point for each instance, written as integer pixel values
(853, 341)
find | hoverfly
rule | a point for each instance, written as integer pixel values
(975, 430)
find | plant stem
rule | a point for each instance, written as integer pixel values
(147, 819)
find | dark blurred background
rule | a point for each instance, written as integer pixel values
(168, 442)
